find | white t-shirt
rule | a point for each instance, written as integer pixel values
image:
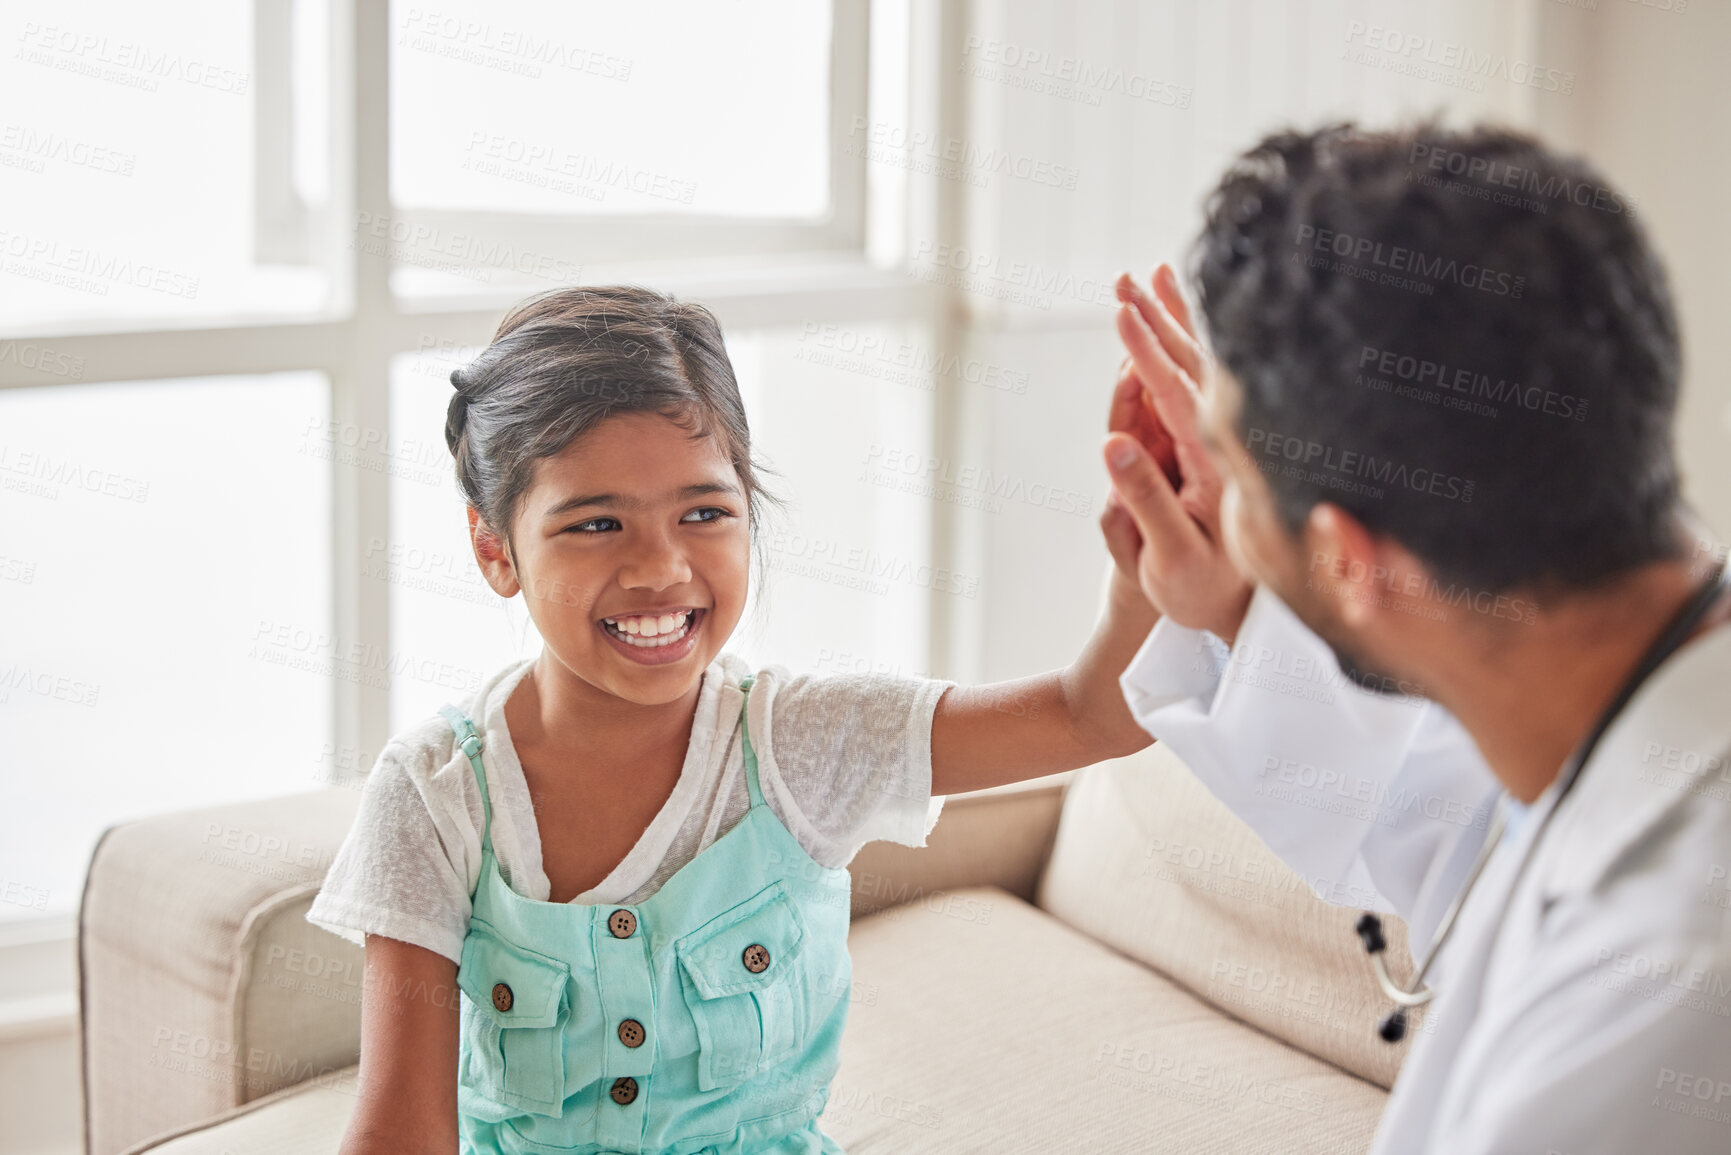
(843, 760)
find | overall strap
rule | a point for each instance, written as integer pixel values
(751, 785)
(469, 741)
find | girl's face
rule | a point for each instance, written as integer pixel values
(632, 548)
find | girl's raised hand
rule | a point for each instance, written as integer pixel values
(1132, 411)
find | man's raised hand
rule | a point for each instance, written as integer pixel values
(1163, 526)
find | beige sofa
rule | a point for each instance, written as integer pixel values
(1103, 962)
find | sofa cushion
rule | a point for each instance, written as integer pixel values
(1150, 863)
(307, 1119)
(978, 1023)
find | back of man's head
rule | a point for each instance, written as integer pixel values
(1461, 338)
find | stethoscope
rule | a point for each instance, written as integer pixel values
(1415, 993)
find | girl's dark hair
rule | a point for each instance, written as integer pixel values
(565, 361)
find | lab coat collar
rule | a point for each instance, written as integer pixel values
(1668, 747)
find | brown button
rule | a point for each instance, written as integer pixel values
(622, 923)
(631, 1033)
(501, 997)
(624, 1090)
(756, 958)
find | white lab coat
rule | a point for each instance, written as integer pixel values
(1587, 1011)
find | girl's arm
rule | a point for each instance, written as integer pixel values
(1007, 731)
(408, 1078)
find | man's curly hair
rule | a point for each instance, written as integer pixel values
(1457, 305)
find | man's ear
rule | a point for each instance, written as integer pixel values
(1364, 574)
(1346, 564)
(493, 556)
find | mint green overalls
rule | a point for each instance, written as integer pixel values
(706, 1018)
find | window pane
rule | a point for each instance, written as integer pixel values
(164, 610)
(127, 168)
(850, 583)
(441, 607)
(681, 107)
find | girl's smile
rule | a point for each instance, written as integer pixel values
(655, 636)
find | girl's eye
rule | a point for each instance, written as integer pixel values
(707, 513)
(594, 525)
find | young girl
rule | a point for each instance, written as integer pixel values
(605, 899)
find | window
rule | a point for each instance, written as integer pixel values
(598, 111)
(166, 583)
(577, 137)
(235, 560)
(125, 163)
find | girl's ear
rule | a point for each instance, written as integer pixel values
(492, 556)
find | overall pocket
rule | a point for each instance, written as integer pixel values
(742, 975)
(515, 1006)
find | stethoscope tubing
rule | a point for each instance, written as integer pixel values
(1415, 993)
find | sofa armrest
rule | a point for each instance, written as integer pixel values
(999, 837)
(203, 985)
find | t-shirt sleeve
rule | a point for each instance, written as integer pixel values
(847, 758)
(403, 871)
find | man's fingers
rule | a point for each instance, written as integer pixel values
(1145, 492)
(1172, 323)
(1130, 293)
(1175, 336)
(1202, 488)
(1174, 395)
(1166, 288)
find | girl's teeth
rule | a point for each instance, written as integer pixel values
(651, 632)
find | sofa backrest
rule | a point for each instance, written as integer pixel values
(1150, 863)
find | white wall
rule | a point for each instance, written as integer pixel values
(1646, 83)
(1654, 119)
